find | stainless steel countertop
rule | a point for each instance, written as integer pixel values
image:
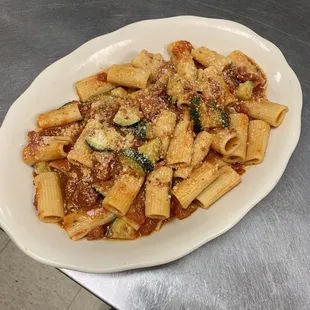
(264, 261)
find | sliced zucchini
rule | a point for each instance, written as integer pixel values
(173, 99)
(212, 116)
(127, 116)
(245, 90)
(151, 149)
(119, 229)
(131, 165)
(100, 140)
(119, 92)
(137, 160)
(103, 97)
(143, 130)
(194, 113)
(176, 88)
(224, 118)
(41, 167)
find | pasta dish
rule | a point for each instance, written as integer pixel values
(149, 141)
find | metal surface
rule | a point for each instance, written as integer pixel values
(264, 261)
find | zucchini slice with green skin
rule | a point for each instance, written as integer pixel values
(151, 149)
(98, 140)
(213, 116)
(173, 99)
(119, 229)
(245, 90)
(127, 116)
(224, 118)
(131, 165)
(140, 159)
(142, 130)
(103, 97)
(194, 113)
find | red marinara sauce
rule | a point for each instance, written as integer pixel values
(103, 77)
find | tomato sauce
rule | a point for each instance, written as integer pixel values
(136, 212)
(102, 77)
(241, 108)
(181, 213)
(148, 227)
(238, 168)
(106, 166)
(97, 233)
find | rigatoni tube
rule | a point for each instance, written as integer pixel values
(258, 137)
(228, 179)
(68, 114)
(122, 194)
(208, 58)
(181, 145)
(157, 203)
(225, 141)
(186, 191)
(127, 75)
(180, 55)
(49, 148)
(201, 148)
(270, 112)
(240, 123)
(150, 62)
(79, 224)
(93, 85)
(50, 203)
(81, 152)
(163, 127)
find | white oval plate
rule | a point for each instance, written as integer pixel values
(54, 86)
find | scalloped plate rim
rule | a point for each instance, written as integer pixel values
(170, 257)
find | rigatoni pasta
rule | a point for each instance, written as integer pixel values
(179, 90)
(227, 179)
(180, 54)
(79, 224)
(150, 62)
(81, 152)
(186, 191)
(225, 141)
(126, 75)
(181, 145)
(201, 148)
(157, 203)
(163, 127)
(258, 137)
(50, 203)
(149, 141)
(94, 85)
(209, 58)
(122, 194)
(68, 114)
(270, 112)
(46, 148)
(240, 123)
